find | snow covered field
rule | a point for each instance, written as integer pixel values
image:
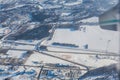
(16, 54)
(92, 61)
(96, 39)
(93, 36)
(41, 58)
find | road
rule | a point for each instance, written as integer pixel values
(81, 51)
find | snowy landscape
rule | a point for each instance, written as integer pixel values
(59, 40)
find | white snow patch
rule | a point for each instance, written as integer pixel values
(16, 54)
(41, 58)
(73, 3)
(93, 36)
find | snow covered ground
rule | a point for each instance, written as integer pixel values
(102, 73)
(91, 35)
(16, 54)
(88, 60)
(74, 3)
(41, 58)
(87, 37)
